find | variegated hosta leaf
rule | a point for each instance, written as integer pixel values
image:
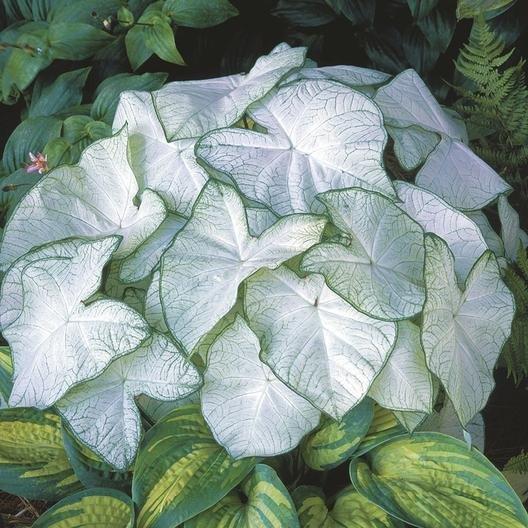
(379, 269)
(405, 383)
(6, 375)
(350, 510)
(189, 109)
(266, 503)
(463, 331)
(412, 145)
(250, 412)
(334, 442)
(170, 169)
(460, 233)
(58, 340)
(435, 481)
(315, 341)
(512, 235)
(406, 101)
(214, 253)
(338, 143)
(181, 471)
(140, 263)
(155, 410)
(456, 174)
(93, 198)
(102, 412)
(93, 507)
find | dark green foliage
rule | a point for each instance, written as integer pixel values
(518, 464)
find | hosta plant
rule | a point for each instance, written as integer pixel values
(238, 266)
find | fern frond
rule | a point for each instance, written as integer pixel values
(518, 464)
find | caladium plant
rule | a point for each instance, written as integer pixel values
(242, 240)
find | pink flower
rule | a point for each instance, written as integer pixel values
(39, 163)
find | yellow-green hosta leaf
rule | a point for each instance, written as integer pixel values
(181, 471)
(6, 373)
(92, 508)
(431, 480)
(335, 441)
(33, 462)
(261, 502)
(350, 510)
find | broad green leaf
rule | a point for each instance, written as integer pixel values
(159, 37)
(418, 51)
(91, 470)
(379, 266)
(421, 8)
(181, 471)
(29, 136)
(334, 442)
(140, 263)
(250, 412)
(199, 13)
(412, 145)
(339, 143)
(81, 11)
(463, 331)
(349, 510)
(460, 177)
(405, 383)
(188, 109)
(6, 374)
(406, 101)
(33, 463)
(304, 13)
(343, 349)
(80, 131)
(265, 503)
(137, 52)
(359, 12)
(170, 169)
(438, 27)
(77, 201)
(452, 485)
(93, 507)
(76, 40)
(56, 338)
(460, 233)
(475, 8)
(64, 92)
(107, 93)
(102, 412)
(384, 425)
(214, 253)
(29, 9)
(512, 235)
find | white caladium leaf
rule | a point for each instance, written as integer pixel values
(250, 411)
(57, 340)
(456, 174)
(379, 268)
(153, 310)
(189, 109)
(463, 331)
(405, 383)
(512, 235)
(131, 293)
(436, 216)
(259, 219)
(412, 145)
(406, 101)
(94, 198)
(214, 253)
(338, 143)
(493, 240)
(140, 263)
(170, 169)
(314, 341)
(102, 412)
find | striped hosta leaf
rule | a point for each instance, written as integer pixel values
(33, 463)
(170, 169)
(334, 442)
(93, 507)
(379, 268)
(463, 331)
(250, 411)
(58, 339)
(338, 143)
(456, 174)
(315, 341)
(188, 109)
(214, 253)
(408, 471)
(181, 471)
(262, 502)
(75, 201)
(349, 510)
(462, 235)
(102, 412)
(6, 374)
(405, 383)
